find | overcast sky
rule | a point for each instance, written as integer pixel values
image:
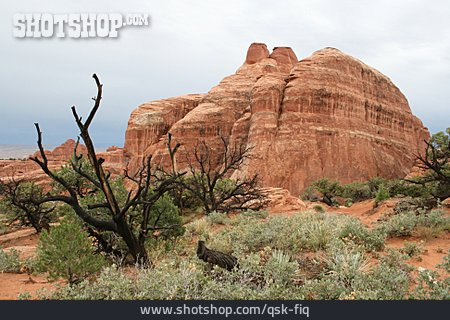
(191, 45)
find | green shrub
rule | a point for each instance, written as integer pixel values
(67, 252)
(280, 268)
(419, 205)
(267, 269)
(260, 214)
(329, 189)
(446, 264)
(9, 261)
(429, 287)
(382, 194)
(384, 282)
(356, 191)
(412, 249)
(218, 218)
(400, 225)
(318, 208)
(316, 235)
(347, 263)
(164, 213)
(354, 231)
(375, 183)
(198, 227)
(405, 224)
(3, 228)
(405, 188)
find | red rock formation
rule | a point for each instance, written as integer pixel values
(150, 122)
(280, 200)
(328, 115)
(28, 170)
(114, 160)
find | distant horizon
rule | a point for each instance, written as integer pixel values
(19, 151)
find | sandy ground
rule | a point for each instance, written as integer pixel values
(25, 242)
(12, 284)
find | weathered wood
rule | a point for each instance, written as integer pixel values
(218, 258)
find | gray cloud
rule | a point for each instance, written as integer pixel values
(191, 45)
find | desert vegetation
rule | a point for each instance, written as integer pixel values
(158, 233)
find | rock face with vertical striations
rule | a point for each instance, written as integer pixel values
(328, 115)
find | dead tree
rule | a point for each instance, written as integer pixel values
(150, 185)
(223, 260)
(211, 183)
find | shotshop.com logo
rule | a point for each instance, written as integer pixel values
(74, 25)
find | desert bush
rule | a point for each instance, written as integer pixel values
(347, 263)
(356, 191)
(267, 269)
(248, 217)
(405, 188)
(383, 282)
(405, 224)
(318, 208)
(421, 204)
(329, 189)
(164, 213)
(186, 279)
(316, 235)
(218, 218)
(354, 231)
(24, 296)
(198, 227)
(257, 214)
(3, 228)
(111, 284)
(280, 268)
(429, 287)
(446, 264)
(350, 276)
(375, 183)
(399, 225)
(412, 248)
(301, 232)
(67, 252)
(9, 261)
(381, 195)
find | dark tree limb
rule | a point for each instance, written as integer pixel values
(223, 260)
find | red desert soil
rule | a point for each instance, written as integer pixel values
(434, 250)
(364, 211)
(13, 284)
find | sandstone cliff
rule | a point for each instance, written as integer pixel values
(328, 115)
